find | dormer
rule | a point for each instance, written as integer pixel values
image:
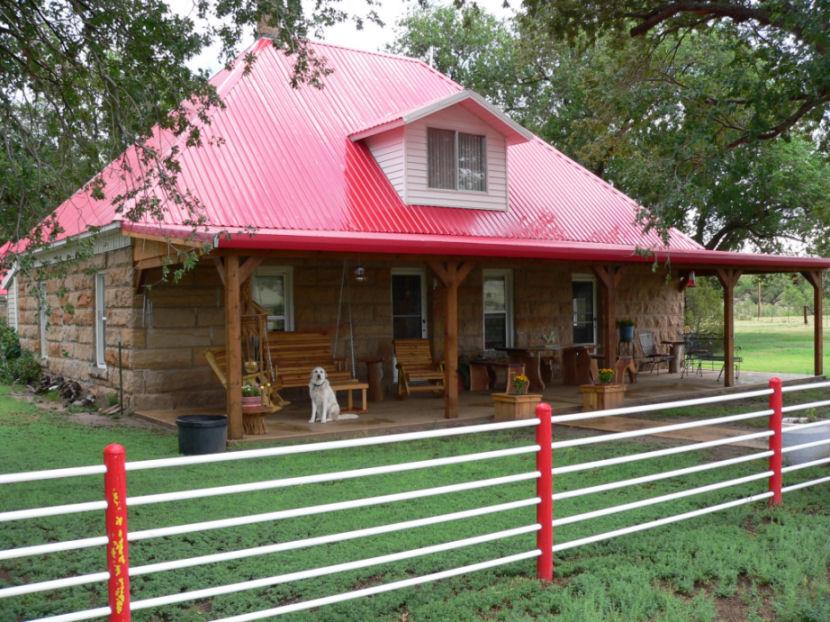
(451, 152)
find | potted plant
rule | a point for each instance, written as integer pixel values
(604, 394)
(519, 384)
(626, 328)
(251, 397)
(516, 403)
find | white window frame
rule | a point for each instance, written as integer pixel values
(585, 278)
(287, 273)
(42, 321)
(12, 304)
(100, 320)
(455, 151)
(507, 274)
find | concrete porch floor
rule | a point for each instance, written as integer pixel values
(426, 412)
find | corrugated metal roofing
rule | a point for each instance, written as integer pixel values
(287, 167)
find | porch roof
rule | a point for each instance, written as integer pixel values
(699, 259)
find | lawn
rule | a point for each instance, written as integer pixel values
(748, 563)
(783, 345)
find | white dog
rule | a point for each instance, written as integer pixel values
(323, 400)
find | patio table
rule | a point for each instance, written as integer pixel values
(531, 358)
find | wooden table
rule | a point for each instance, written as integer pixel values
(531, 357)
(483, 374)
(578, 365)
(676, 351)
(374, 371)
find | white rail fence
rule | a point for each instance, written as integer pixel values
(541, 491)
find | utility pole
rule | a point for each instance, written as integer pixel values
(759, 299)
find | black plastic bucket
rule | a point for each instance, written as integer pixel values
(202, 434)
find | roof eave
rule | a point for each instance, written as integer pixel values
(515, 132)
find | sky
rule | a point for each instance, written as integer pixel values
(371, 38)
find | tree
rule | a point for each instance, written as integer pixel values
(785, 43)
(641, 118)
(85, 81)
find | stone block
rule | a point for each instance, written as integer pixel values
(179, 338)
(212, 316)
(174, 318)
(160, 358)
(152, 401)
(159, 381)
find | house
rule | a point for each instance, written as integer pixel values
(462, 226)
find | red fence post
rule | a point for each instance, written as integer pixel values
(776, 402)
(118, 555)
(544, 490)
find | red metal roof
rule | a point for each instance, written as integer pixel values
(288, 169)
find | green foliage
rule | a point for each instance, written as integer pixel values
(16, 365)
(250, 390)
(704, 306)
(642, 115)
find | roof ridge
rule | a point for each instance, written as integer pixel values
(390, 55)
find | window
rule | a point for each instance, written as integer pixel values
(14, 317)
(584, 305)
(456, 161)
(498, 309)
(100, 321)
(42, 320)
(272, 290)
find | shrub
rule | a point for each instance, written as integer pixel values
(16, 364)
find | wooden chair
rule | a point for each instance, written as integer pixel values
(652, 357)
(417, 370)
(218, 362)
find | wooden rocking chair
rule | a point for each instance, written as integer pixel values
(417, 370)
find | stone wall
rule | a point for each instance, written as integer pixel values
(70, 303)
(166, 330)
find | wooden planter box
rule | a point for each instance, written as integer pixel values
(601, 396)
(509, 407)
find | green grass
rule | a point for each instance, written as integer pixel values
(776, 345)
(760, 563)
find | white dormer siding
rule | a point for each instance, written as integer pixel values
(388, 150)
(417, 190)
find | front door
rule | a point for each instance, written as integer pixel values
(584, 315)
(409, 317)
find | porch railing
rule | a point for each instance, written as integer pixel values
(543, 497)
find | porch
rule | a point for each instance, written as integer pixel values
(425, 412)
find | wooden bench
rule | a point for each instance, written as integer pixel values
(416, 365)
(295, 354)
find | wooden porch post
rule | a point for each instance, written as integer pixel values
(815, 279)
(233, 346)
(451, 274)
(609, 278)
(728, 279)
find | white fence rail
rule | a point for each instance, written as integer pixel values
(116, 504)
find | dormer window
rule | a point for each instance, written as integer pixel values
(456, 161)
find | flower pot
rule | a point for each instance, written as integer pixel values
(626, 334)
(601, 396)
(799, 437)
(250, 404)
(509, 407)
